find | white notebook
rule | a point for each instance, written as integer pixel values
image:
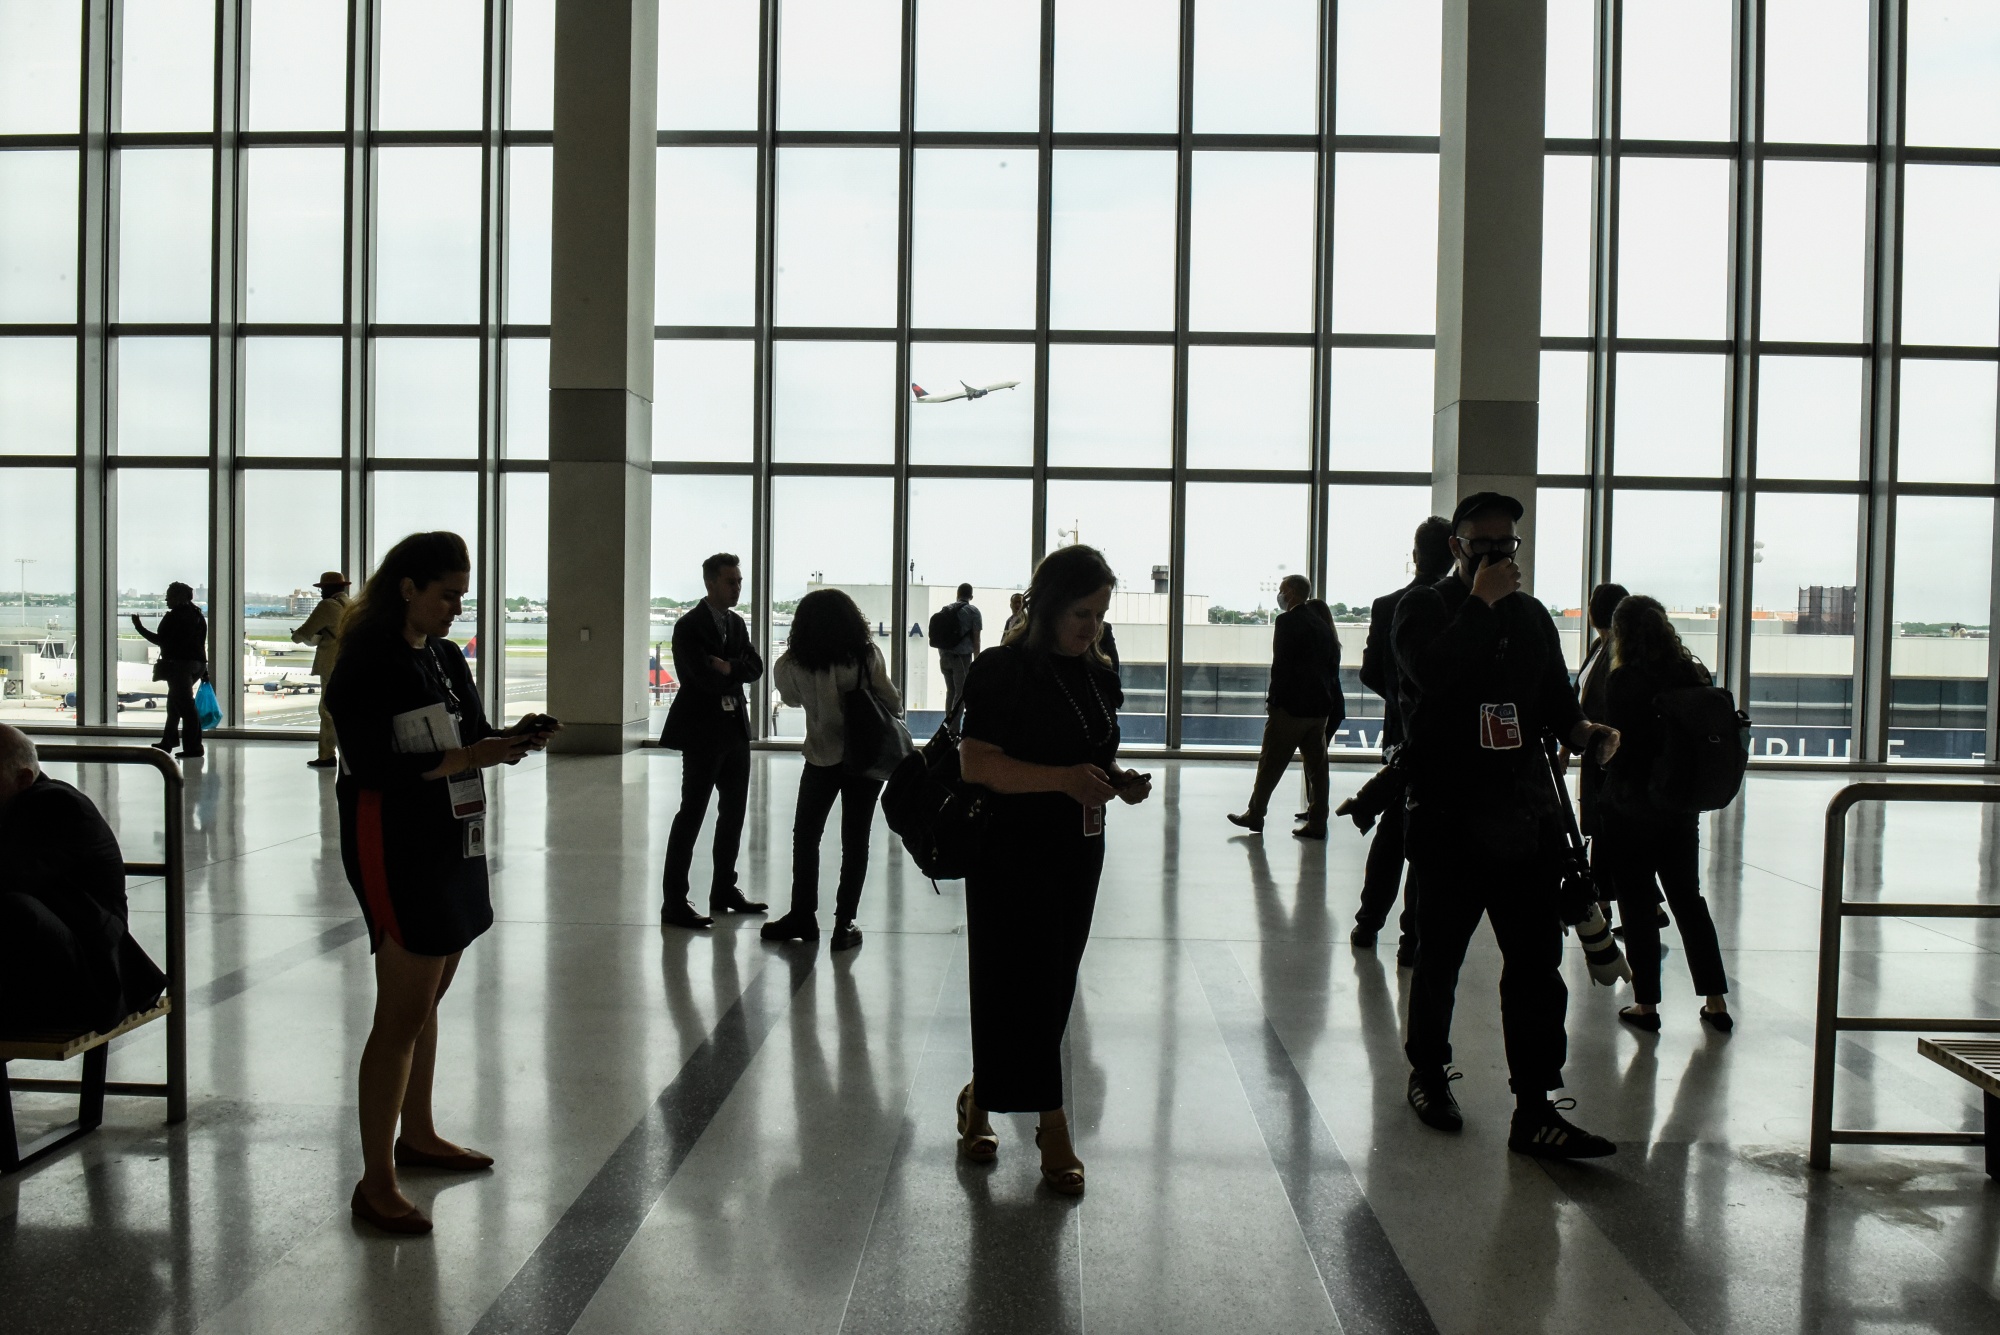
(422, 731)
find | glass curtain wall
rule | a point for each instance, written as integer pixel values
(949, 285)
(1162, 270)
(1788, 317)
(260, 266)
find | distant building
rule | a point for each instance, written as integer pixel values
(302, 602)
(1826, 609)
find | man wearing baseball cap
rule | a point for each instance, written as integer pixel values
(1483, 683)
(322, 631)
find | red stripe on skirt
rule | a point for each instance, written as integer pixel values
(374, 867)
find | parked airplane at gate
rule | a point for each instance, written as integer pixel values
(964, 392)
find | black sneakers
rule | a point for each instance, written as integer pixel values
(1544, 1133)
(1430, 1095)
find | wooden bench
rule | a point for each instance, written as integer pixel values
(1976, 1060)
(95, 1049)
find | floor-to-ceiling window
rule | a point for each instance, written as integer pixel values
(273, 274)
(274, 292)
(943, 286)
(1786, 383)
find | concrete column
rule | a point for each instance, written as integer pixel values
(1489, 290)
(601, 371)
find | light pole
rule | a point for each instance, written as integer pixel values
(24, 562)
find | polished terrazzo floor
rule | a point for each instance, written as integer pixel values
(711, 1134)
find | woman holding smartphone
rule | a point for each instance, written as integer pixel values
(1041, 734)
(413, 740)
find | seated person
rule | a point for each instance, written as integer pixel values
(66, 959)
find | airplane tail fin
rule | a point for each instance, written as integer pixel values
(918, 390)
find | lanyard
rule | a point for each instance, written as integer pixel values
(442, 681)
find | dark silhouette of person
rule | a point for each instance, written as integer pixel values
(183, 664)
(709, 724)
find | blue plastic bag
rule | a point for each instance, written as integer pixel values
(207, 708)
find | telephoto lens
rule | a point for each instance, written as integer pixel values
(1600, 950)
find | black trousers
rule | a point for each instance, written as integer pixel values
(1648, 855)
(723, 769)
(1385, 875)
(1518, 898)
(43, 974)
(818, 787)
(183, 723)
(1027, 913)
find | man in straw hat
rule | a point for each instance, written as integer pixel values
(322, 631)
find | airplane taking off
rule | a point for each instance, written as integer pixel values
(964, 392)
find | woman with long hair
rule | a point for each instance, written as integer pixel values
(413, 739)
(831, 652)
(1041, 735)
(1648, 849)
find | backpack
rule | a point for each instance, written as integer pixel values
(1704, 751)
(947, 627)
(938, 816)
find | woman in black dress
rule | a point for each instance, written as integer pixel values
(413, 738)
(1041, 733)
(1647, 849)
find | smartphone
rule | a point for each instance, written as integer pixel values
(1132, 777)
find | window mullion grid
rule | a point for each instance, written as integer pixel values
(761, 582)
(899, 588)
(1038, 514)
(490, 557)
(1604, 298)
(95, 595)
(225, 484)
(1319, 506)
(1177, 542)
(1746, 259)
(1875, 624)
(360, 212)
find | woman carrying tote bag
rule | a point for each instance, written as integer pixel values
(831, 654)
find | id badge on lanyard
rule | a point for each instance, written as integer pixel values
(1093, 822)
(1499, 727)
(466, 792)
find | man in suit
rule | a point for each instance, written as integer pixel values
(66, 959)
(322, 631)
(1431, 555)
(709, 724)
(1304, 655)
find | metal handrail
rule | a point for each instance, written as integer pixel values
(173, 870)
(1834, 908)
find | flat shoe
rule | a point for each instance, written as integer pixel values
(1720, 1021)
(791, 927)
(1641, 1020)
(465, 1161)
(1310, 832)
(415, 1222)
(683, 915)
(735, 904)
(1254, 824)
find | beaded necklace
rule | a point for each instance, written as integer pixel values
(1104, 710)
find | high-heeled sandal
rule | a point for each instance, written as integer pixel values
(978, 1146)
(1066, 1181)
